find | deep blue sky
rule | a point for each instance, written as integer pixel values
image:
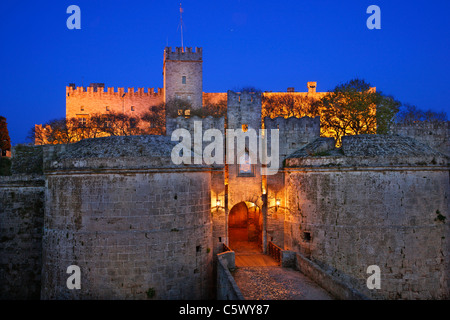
(271, 45)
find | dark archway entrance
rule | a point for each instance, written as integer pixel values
(245, 227)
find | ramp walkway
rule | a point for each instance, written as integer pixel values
(260, 277)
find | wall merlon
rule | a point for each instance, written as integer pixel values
(435, 134)
(180, 50)
(180, 54)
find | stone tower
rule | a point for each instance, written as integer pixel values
(244, 113)
(244, 181)
(183, 75)
(243, 109)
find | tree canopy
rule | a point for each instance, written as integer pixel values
(288, 105)
(152, 121)
(410, 114)
(5, 141)
(70, 130)
(354, 108)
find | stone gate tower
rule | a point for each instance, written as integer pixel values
(183, 75)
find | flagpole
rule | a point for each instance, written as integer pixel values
(181, 24)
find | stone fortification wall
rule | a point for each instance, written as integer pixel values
(294, 133)
(380, 200)
(434, 134)
(243, 108)
(227, 288)
(21, 223)
(137, 226)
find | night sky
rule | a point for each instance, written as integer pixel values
(270, 45)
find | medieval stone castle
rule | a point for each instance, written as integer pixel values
(183, 79)
(140, 226)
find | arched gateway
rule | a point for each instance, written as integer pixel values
(245, 224)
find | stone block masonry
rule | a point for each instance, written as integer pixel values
(435, 134)
(294, 134)
(243, 108)
(128, 233)
(131, 226)
(22, 204)
(382, 201)
(82, 102)
(21, 223)
(227, 288)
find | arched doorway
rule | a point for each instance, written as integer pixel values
(245, 227)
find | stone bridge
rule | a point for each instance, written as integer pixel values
(261, 277)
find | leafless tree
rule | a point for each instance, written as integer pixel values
(155, 119)
(411, 114)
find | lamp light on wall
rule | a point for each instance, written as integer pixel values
(217, 205)
(277, 202)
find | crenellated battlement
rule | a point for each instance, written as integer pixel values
(72, 91)
(83, 101)
(299, 125)
(183, 54)
(434, 134)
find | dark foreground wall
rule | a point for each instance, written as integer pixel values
(21, 222)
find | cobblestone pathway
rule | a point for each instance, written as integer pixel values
(277, 283)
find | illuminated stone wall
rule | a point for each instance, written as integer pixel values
(219, 231)
(82, 102)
